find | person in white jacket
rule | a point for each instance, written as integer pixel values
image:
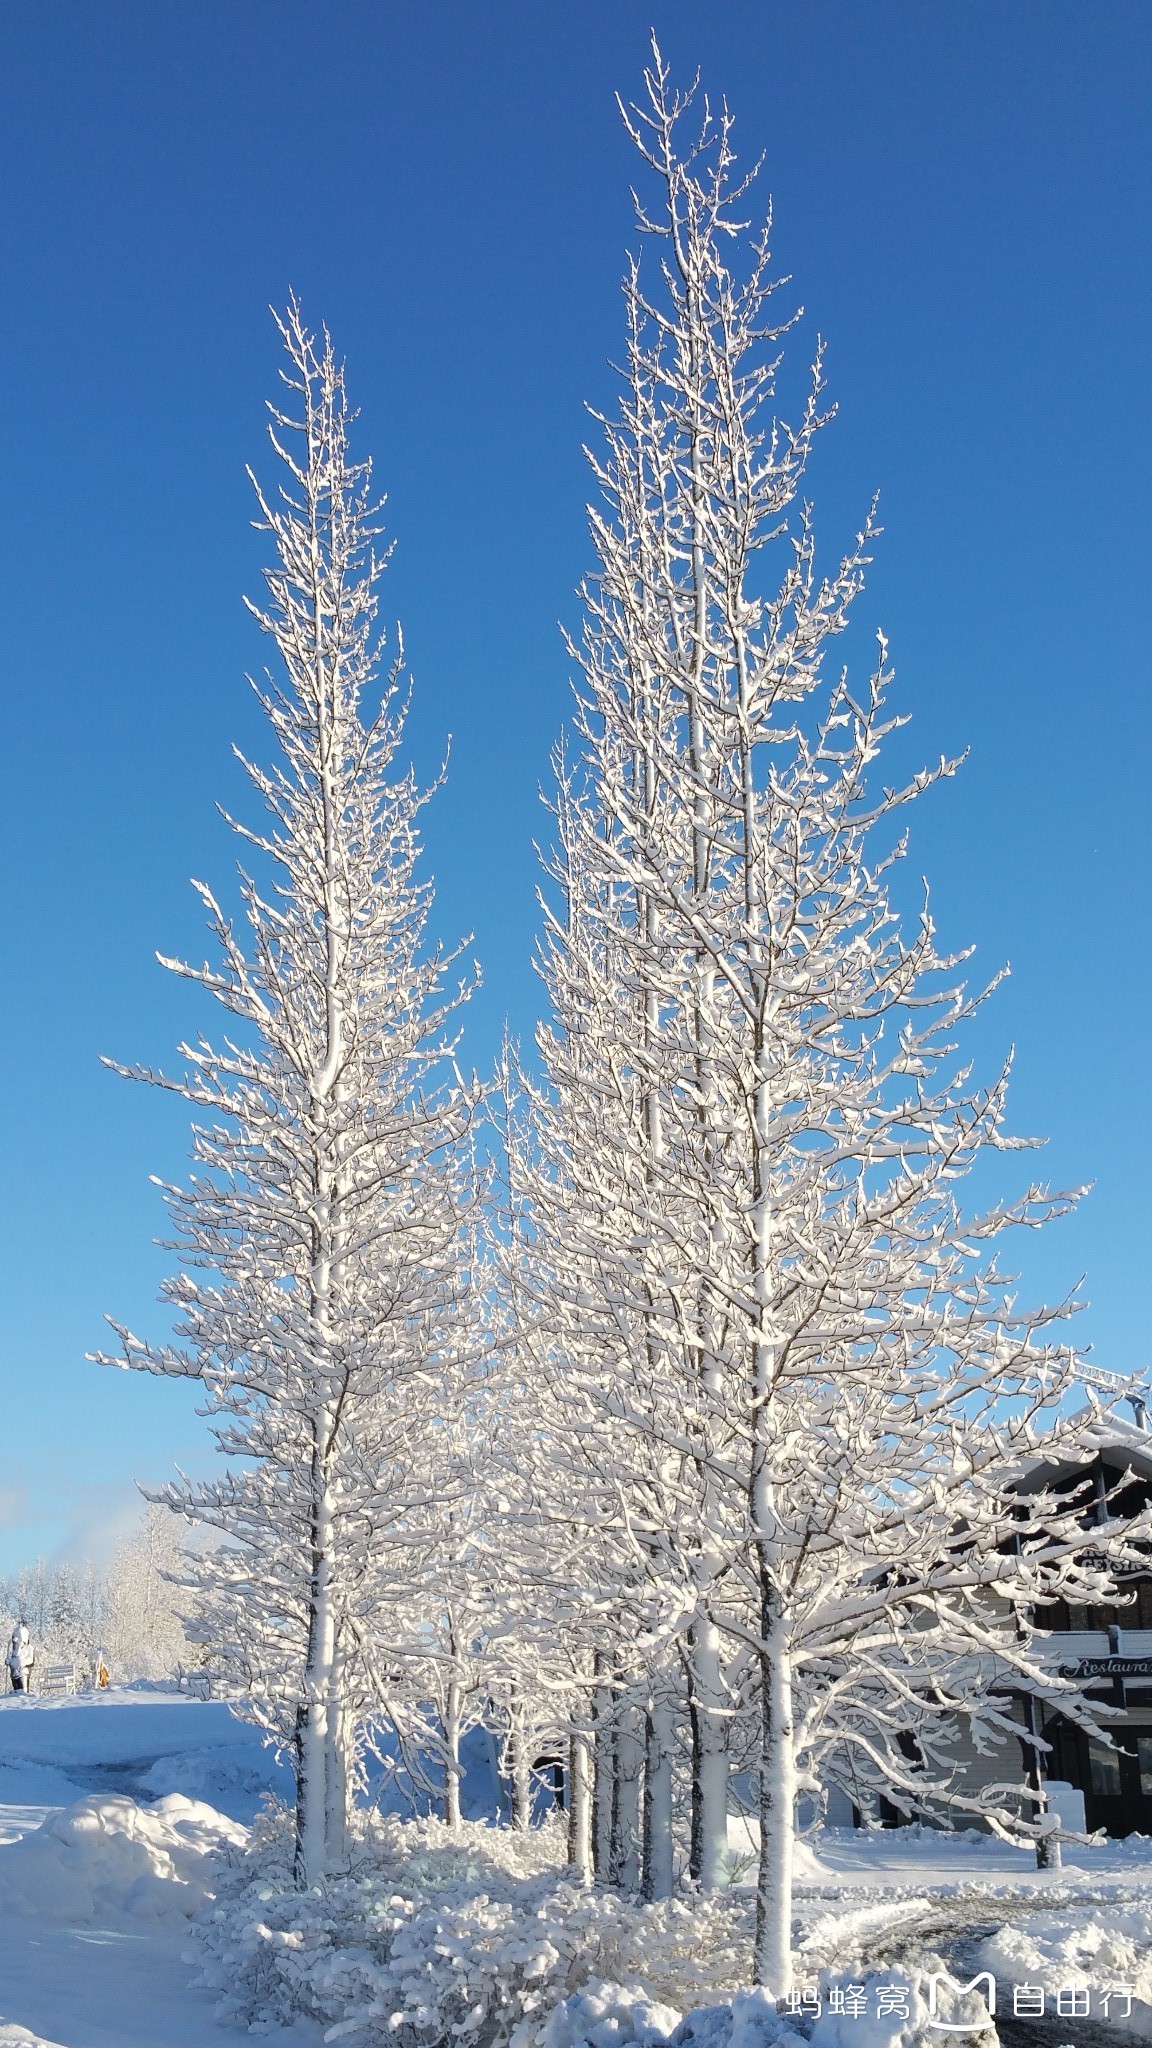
(21, 1658)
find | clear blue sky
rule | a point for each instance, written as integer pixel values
(962, 195)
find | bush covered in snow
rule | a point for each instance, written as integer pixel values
(477, 1937)
(481, 1938)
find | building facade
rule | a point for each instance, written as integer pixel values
(1106, 1649)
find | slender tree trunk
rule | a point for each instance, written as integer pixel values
(300, 1762)
(1049, 1855)
(711, 1785)
(325, 1834)
(626, 1806)
(452, 1754)
(313, 1819)
(773, 1950)
(580, 1808)
(336, 1774)
(520, 1765)
(696, 1835)
(605, 1778)
(658, 1847)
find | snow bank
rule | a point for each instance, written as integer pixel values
(871, 2009)
(1081, 1950)
(19, 2037)
(234, 1779)
(109, 1858)
(28, 1794)
(483, 1938)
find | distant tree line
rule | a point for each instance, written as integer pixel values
(128, 1612)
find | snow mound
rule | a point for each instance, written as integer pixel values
(605, 2015)
(1079, 1949)
(748, 2020)
(19, 2037)
(107, 1857)
(235, 1780)
(744, 1852)
(867, 2009)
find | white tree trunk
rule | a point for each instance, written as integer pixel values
(658, 1840)
(336, 1776)
(712, 1767)
(312, 1809)
(519, 1763)
(773, 1951)
(452, 1711)
(604, 1780)
(580, 1808)
(626, 1828)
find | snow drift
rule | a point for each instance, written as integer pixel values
(107, 1858)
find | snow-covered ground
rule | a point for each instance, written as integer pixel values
(95, 1887)
(109, 1807)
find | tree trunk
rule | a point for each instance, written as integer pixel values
(773, 1950)
(696, 1835)
(604, 1780)
(658, 1852)
(711, 1786)
(1048, 1852)
(336, 1785)
(313, 1819)
(626, 1806)
(520, 1768)
(452, 1755)
(580, 1808)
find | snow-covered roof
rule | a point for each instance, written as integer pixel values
(1118, 1443)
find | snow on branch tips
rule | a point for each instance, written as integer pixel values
(325, 1236)
(789, 1401)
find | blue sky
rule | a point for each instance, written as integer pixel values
(962, 195)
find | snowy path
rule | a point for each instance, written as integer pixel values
(91, 1987)
(105, 1980)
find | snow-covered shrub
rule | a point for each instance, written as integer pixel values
(477, 1937)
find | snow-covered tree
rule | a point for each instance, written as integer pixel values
(143, 1633)
(323, 1236)
(747, 1278)
(64, 1607)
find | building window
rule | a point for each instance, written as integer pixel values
(1104, 1770)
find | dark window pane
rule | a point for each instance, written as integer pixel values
(1104, 1771)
